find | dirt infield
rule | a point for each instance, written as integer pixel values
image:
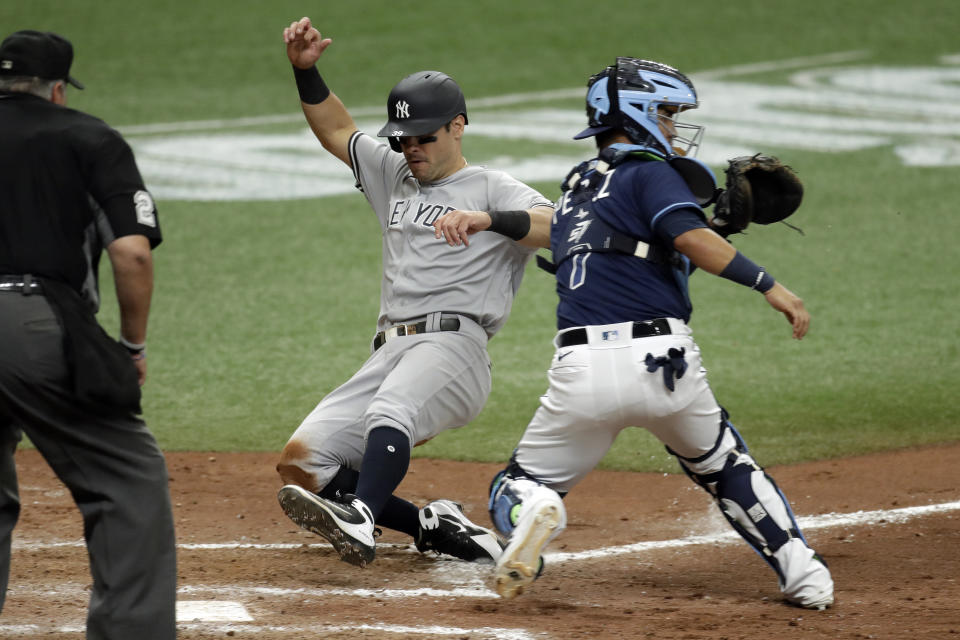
(246, 571)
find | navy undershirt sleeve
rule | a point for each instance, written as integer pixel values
(678, 222)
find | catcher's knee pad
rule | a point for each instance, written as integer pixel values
(749, 499)
(510, 490)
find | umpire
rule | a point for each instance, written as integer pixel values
(69, 187)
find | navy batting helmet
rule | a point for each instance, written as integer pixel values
(628, 96)
(422, 103)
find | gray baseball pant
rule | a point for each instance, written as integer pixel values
(112, 466)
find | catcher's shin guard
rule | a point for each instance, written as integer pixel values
(748, 498)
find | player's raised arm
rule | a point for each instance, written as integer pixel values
(326, 115)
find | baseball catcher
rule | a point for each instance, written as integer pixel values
(625, 236)
(759, 188)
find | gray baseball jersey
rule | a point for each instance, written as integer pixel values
(426, 383)
(423, 274)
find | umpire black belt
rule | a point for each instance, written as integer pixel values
(24, 284)
(645, 329)
(447, 323)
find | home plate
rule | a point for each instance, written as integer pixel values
(211, 611)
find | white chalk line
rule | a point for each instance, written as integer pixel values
(302, 631)
(82, 590)
(232, 618)
(807, 523)
(783, 65)
(323, 630)
(506, 100)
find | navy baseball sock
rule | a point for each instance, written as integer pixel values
(397, 513)
(400, 515)
(385, 463)
(344, 482)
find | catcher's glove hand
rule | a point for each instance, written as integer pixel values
(759, 189)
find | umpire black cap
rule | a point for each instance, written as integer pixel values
(422, 103)
(37, 54)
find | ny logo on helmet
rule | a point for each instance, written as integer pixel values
(403, 109)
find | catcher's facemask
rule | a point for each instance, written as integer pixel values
(687, 137)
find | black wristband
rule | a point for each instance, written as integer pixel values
(744, 271)
(312, 88)
(513, 224)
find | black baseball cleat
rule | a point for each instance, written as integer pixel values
(444, 529)
(348, 525)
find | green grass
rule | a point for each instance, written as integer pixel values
(261, 308)
(186, 60)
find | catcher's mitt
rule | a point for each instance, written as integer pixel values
(759, 189)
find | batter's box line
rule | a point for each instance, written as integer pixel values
(491, 633)
(32, 545)
(75, 590)
(238, 591)
(300, 631)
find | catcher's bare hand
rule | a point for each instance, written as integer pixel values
(304, 44)
(457, 226)
(790, 305)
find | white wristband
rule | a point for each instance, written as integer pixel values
(132, 346)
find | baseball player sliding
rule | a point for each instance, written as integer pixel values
(627, 232)
(429, 369)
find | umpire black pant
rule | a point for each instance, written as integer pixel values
(112, 466)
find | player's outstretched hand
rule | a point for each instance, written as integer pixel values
(784, 301)
(456, 227)
(304, 44)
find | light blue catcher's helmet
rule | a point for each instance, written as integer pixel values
(627, 96)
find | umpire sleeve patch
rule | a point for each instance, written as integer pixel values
(146, 210)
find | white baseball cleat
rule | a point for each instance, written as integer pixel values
(445, 529)
(542, 518)
(348, 525)
(807, 581)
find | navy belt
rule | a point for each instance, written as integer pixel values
(446, 324)
(24, 284)
(645, 329)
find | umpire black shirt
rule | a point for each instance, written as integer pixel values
(69, 185)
